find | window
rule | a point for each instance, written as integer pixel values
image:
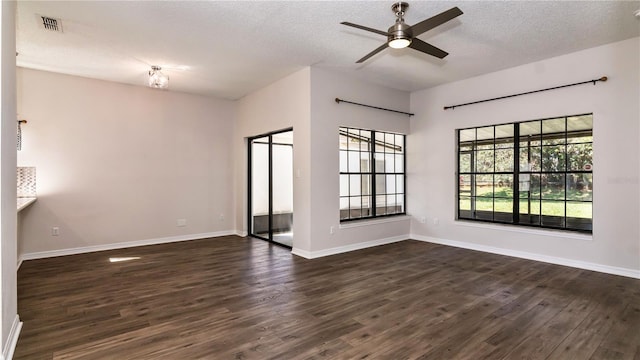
(546, 163)
(372, 175)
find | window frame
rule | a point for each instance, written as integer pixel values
(373, 172)
(515, 174)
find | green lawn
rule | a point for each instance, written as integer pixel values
(552, 202)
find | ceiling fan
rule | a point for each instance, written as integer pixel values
(401, 35)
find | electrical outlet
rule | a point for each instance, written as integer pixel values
(423, 219)
(55, 231)
(332, 230)
(436, 221)
(181, 222)
(221, 217)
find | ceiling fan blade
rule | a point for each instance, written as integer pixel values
(426, 48)
(382, 47)
(436, 20)
(383, 33)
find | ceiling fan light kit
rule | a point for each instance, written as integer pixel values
(399, 43)
(157, 79)
(401, 35)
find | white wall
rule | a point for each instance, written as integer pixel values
(118, 163)
(326, 117)
(10, 323)
(281, 105)
(615, 245)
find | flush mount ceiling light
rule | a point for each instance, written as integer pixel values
(157, 79)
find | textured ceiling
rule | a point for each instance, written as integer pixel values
(231, 48)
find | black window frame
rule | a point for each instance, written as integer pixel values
(375, 175)
(563, 177)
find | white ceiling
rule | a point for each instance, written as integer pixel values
(231, 48)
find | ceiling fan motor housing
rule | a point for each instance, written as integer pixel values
(400, 30)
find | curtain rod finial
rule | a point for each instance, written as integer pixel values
(604, 78)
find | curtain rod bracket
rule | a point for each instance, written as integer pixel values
(604, 78)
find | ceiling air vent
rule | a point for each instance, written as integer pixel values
(52, 24)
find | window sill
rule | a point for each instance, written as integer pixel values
(527, 230)
(23, 202)
(368, 222)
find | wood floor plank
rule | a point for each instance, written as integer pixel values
(541, 343)
(624, 336)
(240, 298)
(582, 341)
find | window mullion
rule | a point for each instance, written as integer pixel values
(372, 177)
(472, 180)
(516, 173)
(566, 170)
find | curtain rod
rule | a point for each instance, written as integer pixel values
(338, 100)
(594, 81)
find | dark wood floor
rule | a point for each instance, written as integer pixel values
(237, 298)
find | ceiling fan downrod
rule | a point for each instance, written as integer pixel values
(399, 9)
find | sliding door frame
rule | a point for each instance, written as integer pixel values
(250, 183)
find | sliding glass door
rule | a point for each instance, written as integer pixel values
(271, 187)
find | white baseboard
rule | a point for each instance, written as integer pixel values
(121, 245)
(532, 256)
(302, 253)
(343, 249)
(12, 339)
